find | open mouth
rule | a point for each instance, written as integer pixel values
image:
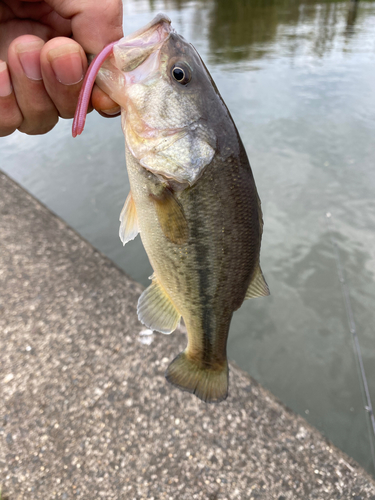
(129, 53)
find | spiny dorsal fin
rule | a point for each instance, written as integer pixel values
(171, 217)
(129, 222)
(258, 286)
(156, 310)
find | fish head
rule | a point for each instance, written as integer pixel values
(171, 107)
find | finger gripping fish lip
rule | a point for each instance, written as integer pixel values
(159, 29)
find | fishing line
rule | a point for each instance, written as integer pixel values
(353, 331)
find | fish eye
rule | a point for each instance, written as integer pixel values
(181, 73)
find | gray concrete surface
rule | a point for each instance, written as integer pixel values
(85, 409)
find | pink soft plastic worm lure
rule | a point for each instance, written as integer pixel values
(85, 94)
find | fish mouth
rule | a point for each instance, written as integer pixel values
(124, 57)
(131, 51)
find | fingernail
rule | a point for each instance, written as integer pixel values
(29, 54)
(66, 63)
(5, 85)
(111, 112)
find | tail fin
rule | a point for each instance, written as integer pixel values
(208, 385)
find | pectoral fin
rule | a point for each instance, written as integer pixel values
(156, 310)
(258, 286)
(171, 217)
(129, 222)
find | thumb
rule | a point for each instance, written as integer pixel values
(94, 24)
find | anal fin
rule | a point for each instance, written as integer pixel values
(156, 310)
(258, 286)
(129, 222)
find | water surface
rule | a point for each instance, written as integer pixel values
(298, 78)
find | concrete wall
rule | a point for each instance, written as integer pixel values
(85, 411)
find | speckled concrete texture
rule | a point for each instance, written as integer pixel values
(85, 409)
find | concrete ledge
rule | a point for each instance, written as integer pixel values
(86, 412)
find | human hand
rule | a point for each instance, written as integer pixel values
(43, 61)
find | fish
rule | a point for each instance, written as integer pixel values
(192, 199)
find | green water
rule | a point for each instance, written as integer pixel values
(298, 78)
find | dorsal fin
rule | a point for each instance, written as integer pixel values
(258, 286)
(156, 310)
(129, 222)
(171, 216)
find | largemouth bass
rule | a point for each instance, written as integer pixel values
(193, 197)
